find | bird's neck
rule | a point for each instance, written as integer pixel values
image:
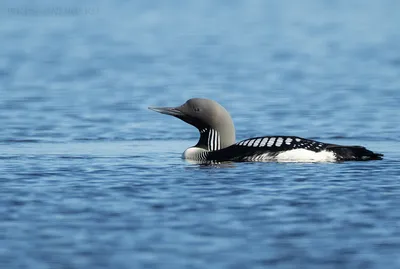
(212, 139)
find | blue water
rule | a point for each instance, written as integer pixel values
(90, 178)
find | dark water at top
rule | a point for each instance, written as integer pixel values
(89, 178)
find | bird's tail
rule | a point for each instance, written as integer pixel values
(354, 153)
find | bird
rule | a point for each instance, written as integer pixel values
(217, 142)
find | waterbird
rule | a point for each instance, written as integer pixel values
(217, 141)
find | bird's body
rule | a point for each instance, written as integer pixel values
(281, 149)
(217, 140)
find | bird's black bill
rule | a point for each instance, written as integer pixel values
(168, 111)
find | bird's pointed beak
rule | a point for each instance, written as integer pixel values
(173, 111)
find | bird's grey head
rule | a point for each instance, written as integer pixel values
(210, 118)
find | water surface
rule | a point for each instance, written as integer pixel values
(90, 178)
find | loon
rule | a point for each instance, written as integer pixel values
(217, 140)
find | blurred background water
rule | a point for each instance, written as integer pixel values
(89, 178)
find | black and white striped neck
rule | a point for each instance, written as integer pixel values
(210, 139)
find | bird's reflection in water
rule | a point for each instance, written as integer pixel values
(211, 164)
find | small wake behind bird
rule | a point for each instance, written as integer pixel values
(217, 140)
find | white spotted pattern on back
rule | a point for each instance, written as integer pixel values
(286, 143)
(258, 140)
(271, 142)
(279, 142)
(263, 142)
(255, 142)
